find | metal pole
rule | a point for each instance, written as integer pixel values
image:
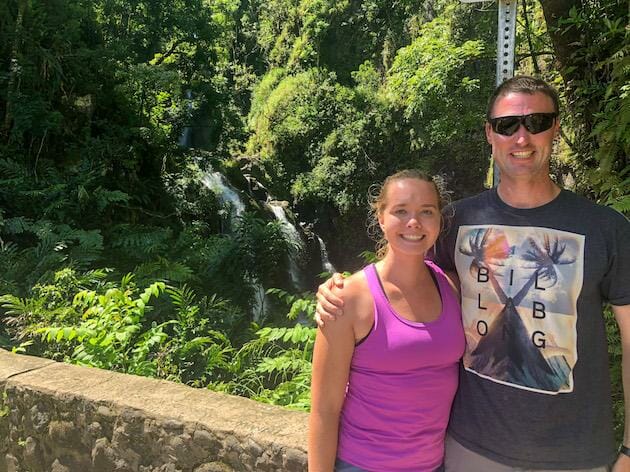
(506, 40)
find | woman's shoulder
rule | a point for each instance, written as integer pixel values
(354, 286)
(355, 294)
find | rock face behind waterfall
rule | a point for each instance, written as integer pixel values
(507, 353)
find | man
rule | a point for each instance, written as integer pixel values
(536, 264)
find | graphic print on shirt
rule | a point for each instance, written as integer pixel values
(519, 304)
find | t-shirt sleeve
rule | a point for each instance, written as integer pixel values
(616, 283)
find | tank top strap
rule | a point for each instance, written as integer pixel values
(446, 291)
(376, 288)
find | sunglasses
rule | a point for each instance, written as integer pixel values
(534, 123)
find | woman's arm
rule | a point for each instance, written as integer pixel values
(334, 346)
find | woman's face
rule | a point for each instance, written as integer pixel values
(410, 217)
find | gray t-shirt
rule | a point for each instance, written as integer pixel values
(534, 385)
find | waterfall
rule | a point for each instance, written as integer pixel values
(260, 308)
(295, 240)
(228, 196)
(185, 140)
(299, 272)
(326, 265)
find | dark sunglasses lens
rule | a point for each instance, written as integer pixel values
(538, 122)
(506, 126)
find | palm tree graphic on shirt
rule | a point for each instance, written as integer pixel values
(508, 351)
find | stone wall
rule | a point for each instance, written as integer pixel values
(64, 418)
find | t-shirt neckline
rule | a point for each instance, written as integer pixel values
(496, 199)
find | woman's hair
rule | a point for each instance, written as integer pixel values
(377, 201)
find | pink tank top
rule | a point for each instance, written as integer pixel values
(403, 377)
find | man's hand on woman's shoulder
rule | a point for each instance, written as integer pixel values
(329, 305)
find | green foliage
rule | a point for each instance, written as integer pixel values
(94, 96)
(612, 131)
(298, 113)
(262, 92)
(324, 140)
(275, 366)
(428, 78)
(84, 319)
(109, 334)
(614, 353)
(598, 75)
(337, 35)
(50, 302)
(199, 349)
(299, 305)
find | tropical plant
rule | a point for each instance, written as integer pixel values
(275, 366)
(109, 333)
(82, 318)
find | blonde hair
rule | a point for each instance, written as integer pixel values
(377, 201)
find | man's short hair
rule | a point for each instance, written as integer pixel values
(523, 84)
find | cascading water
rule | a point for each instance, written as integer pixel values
(295, 240)
(233, 207)
(323, 252)
(229, 197)
(217, 182)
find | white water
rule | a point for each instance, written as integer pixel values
(228, 196)
(216, 182)
(295, 240)
(260, 308)
(326, 265)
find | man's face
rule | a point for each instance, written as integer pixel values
(523, 155)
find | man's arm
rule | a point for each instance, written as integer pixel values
(622, 316)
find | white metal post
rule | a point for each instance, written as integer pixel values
(506, 41)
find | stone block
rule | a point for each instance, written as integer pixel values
(59, 467)
(65, 418)
(32, 455)
(39, 417)
(213, 467)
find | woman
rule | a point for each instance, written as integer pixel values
(385, 373)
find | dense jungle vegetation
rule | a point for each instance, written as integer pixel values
(113, 251)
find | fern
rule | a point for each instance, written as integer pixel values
(167, 270)
(104, 198)
(17, 225)
(300, 305)
(621, 204)
(11, 169)
(140, 239)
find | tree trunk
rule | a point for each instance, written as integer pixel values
(565, 43)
